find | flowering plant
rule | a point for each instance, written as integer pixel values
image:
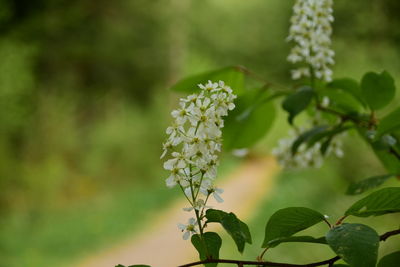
(334, 107)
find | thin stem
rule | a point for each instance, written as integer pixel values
(328, 262)
(260, 258)
(341, 219)
(261, 263)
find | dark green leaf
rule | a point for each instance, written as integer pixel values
(383, 201)
(389, 123)
(249, 121)
(390, 260)
(237, 229)
(341, 265)
(304, 239)
(286, 222)
(356, 244)
(378, 89)
(304, 137)
(297, 102)
(367, 184)
(342, 101)
(212, 245)
(329, 134)
(348, 85)
(232, 76)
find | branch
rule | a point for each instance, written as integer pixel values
(328, 262)
(262, 263)
(389, 234)
(394, 152)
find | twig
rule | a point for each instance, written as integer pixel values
(328, 262)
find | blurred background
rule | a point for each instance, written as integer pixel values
(84, 102)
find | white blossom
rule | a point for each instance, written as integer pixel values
(193, 143)
(311, 32)
(305, 156)
(189, 228)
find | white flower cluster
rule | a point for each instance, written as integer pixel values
(311, 31)
(305, 156)
(194, 141)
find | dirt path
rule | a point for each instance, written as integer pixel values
(161, 244)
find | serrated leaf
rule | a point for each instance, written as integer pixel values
(237, 229)
(304, 137)
(383, 201)
(249, 121)
(231, 75)
(367, 184)
(291, 239)
(357, 244)
(297, 102)
(212, 246)
(378, 89)
(390, 260)
(389, 123)
(286, 222)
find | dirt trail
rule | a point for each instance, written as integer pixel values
(161, 244)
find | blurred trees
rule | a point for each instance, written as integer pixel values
(80, 80)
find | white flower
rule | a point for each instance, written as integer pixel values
(189, 228)
(193, 143)
(305, 156)
(311, 30)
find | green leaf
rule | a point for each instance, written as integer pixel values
(213, 244)
(378, 89)
(250, 120)
(350, 86)
(383, 201)
(304, 137)
(231, 75)
(237, 229)
(356, 244)
(304, 239)
(329, 134)
(389, 123)
(297, 102)
(367, 184)
(390, 260)
(341, 265)
(286, 222)
(342, 101)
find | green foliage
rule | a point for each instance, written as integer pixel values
(378, 89)
(296, 239)
(349, 86)
(306, 136)
(367, 184)
(237, 229)
(389, 123)
(250, 120)
(297, 102)
(208, 247)
(356, 244)
(383, 201)
(390, 260)
(232, 76)
(286, 222)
